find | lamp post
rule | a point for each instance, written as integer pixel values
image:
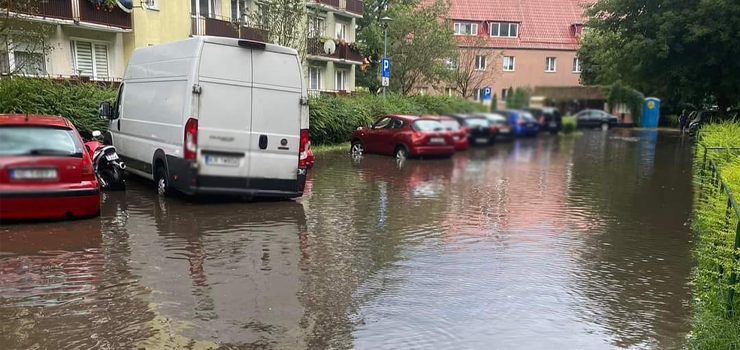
(385, 21)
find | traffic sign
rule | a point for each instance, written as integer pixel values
(385, 67)
(385, 81)
(487, 93)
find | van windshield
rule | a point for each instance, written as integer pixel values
(39, 141)
(427, 125)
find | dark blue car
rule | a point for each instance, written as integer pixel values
(522, 123)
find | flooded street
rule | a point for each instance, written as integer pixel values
(549, 243)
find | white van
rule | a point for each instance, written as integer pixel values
(211, 115)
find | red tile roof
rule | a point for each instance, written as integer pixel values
(543, 24)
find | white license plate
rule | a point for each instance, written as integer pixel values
(112, 156)
(437, 140)
(481, 140)
(33, 174)
(553, 124)
(222, 160)
(505, 131)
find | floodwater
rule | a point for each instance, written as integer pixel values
(549, 243)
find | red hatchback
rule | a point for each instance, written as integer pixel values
(404, 136)
(45, 171)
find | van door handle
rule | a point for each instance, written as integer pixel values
(119, 124)
(263, 141)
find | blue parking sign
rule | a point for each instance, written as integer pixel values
(385, 67)
(487, 93)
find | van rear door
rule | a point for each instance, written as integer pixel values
(224, 110)
(276, 120)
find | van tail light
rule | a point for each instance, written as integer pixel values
(303, 149)
(88, 174)
(191, 138)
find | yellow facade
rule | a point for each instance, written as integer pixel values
(170, 22)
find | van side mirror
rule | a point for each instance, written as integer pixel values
(105, 111)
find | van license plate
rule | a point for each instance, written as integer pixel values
(33, 174)
(437, 140)
(222, 161)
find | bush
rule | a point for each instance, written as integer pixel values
(333, 119)
(569, 124)
(672, 121)
(712, 327)
(79, 102)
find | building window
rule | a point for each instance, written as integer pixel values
(314, 78)
(152, 4)
(22, 58)
(423, 91)
(480, 62)
(507, 30)
(504, 93)
(451, 63)
(239, 11)
(341, 80)
(316, 27)
(205, 8)
(576, 65)
(466, 28)
(478, 94)
(550, 64)
(90, 59)
(341, 29)
(450, 92)
(509, 63)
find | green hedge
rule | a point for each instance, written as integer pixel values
(333, 118)
(712, 327)
(569, 124)
(79, 101)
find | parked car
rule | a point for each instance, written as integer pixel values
(522, 122)
(212, 115)
(549, 118)
(45, 170)
(594, 118)
(404, 136)
(459, 134)
(500, 124)
(477, 127)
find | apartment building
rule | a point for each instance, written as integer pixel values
(331, 58)
(85, 40)
(529, 43)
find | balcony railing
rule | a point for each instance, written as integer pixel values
(61, 9)
(201, 25)
(343, 51)
(354, 6)
(115, 17)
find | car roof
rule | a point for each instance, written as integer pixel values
(35, 120)
(438, 117)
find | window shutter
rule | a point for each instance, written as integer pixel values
(84, 56)
(101, 61)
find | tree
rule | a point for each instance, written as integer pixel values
(419, 40)
(24, 38)
(284, 21)
(472, 55)
(679, 50)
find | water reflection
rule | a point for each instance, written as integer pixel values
(537, 243)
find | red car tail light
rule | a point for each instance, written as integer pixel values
(88, 174)
(191, 138)
(303, 148)
(466, 130)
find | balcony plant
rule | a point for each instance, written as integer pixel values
(105, 5)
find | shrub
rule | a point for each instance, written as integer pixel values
(714, 227)
(333, 119)
(569, 124)
(672, 121)
(79, 102)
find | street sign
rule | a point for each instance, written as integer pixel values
(487, 93)
(385, 67)
(385, 81)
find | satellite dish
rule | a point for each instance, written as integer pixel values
(330, 47)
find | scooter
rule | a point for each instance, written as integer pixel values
(109, 168)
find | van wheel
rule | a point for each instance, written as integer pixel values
(401, 153)
(357, 148)
(604, 126)
(162, 182)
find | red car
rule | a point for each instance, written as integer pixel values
(404, 136)
(45, 170)
(459, 133)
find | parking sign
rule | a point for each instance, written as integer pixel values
(385, 67)
(487, 93)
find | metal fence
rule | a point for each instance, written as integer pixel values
(712, 184)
